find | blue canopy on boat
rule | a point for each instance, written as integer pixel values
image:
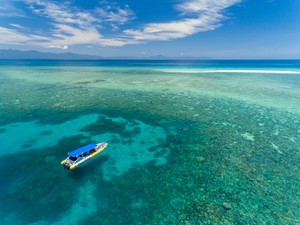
(82, 150)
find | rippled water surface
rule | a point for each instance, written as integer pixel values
(189, 142)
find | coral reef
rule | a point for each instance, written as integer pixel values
(195, 158)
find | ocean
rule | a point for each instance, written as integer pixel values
(189, 141)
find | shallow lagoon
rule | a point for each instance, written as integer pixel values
(187, 145)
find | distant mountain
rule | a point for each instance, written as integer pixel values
(158, 57)
(164, 57)
(17, 54)
(32, 54)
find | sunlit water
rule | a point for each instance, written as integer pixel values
(189, 142)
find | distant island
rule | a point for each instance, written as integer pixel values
(33, 54)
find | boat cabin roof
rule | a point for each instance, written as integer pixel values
(82, 150)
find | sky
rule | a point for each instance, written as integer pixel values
(218, 29)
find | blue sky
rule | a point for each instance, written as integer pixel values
(224, 29)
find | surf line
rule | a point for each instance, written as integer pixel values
(229, 71)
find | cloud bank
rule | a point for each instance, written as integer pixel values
(70, 25)
(198, 16)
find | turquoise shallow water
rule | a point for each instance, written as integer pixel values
(190, 142)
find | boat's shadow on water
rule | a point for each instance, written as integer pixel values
(89, 169)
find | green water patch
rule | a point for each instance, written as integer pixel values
(104, 125)
(227, 161)
(36, 177)
(209, 179)
(131, 142)
(35, 187)
(22, 136)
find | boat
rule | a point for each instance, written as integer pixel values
(82, 154)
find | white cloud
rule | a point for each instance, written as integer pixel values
(17, 26)
(10, 36)
(198, 16)
(7, 9)
(174, 30)
(69, 35)
(65, 47)
(71, 25)
(114, 13)
(62, 13)
(205, 6)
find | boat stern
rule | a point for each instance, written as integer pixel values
(67, 166)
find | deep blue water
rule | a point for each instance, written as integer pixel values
(279, 64)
